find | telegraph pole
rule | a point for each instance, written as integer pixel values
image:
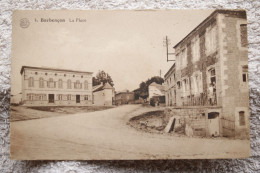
(166, 43)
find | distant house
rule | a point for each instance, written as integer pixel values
(124, 97)
(155, 89)
(103, 95)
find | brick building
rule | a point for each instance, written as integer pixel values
(55, 87)
(210, 74)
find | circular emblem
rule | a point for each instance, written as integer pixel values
(24, 23)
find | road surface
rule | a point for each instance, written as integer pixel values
(104, 135)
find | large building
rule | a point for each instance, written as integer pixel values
(170, 87)
(210, 74)
(55, 87)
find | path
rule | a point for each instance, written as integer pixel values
(104, 135)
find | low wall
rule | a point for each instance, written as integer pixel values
(194, 118)
(57, 103)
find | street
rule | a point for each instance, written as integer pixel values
(104, 135)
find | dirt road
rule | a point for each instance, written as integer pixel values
(104, 135)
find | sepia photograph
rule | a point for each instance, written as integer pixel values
(129, 85)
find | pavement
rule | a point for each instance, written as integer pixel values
(105, 135)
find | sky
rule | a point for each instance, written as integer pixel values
(128, 45)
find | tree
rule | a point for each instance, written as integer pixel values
(142, 91)
(104, 77)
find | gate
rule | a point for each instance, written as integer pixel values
(228, 126)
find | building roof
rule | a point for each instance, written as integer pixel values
(242, 13)
(107, 86)
(170, 70)
(51, 69)
(125, 92)
(102, 87)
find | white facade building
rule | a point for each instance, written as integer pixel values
(55, 87)
(155, 89)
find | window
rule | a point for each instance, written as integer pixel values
(69, 96)
(41, 83)
(178, 63)
(59, 96)
(86, 97)
(196, 82)
(212, 76)
(242, 121)
(60, 83)
(245, 73)
(196, 49)
(183, 58)
(243, 35)
(30, 96)
(51, 83)
(186, 87)
(31, 82)
(69, 84)
(77, 85)
(86, 85)
(179, 84)
(210, 39)
(41, 96)
(192, 84)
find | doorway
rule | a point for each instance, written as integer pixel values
(77, 98)
(51, 98)
(213, 124)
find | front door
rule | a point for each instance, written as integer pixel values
(51, 98)
(77, 98)
(213, 123)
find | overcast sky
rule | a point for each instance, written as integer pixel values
(126, 44)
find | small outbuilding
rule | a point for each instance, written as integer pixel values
(103, 95)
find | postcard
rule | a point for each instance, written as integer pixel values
(129, 85)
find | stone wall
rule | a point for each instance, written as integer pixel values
(193, 117)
